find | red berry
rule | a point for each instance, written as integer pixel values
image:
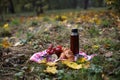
(59, 46)
(48, 51)
(58, 49)
(54, 49)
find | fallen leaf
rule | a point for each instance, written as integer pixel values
(72, 65)
(5, 43)
(52, 70)
(105, 77)
(6, 26)
(86, 65)
(108, 54)
(42, 61)
(51, 63)
(95, 47)
(18, 44)
(82, 60)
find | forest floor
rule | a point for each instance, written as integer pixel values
(21, 36)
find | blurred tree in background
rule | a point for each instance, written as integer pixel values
(86, 2)
(114, 4)
(6, 6)
(39, 6)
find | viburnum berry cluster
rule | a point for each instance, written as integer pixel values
(54, 50)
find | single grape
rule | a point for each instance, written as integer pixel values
(52, 51)
(59, 46)
(48, 51)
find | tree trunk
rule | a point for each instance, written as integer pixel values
(11, 7)
(74, 4)
(100, 3)
(86, 2)
(49, 4)
(39, 7)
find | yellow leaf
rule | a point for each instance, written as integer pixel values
(98, 21)
(56, 17)
(95, 47)
(82, 60)
(52, 70)
(6, 26)
(5, 43)
(72, 65)
(43, 61)
(91, 20)
(61, 18)
(51, 63)
(64, 17)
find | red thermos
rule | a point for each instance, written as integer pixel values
(74, 41)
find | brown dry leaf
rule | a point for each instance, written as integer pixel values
(31, 28)
(105, 77)
(108, 54)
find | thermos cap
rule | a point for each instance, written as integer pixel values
(75, 30)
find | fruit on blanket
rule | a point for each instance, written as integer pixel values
(67, 54)
(58, 50)
(63, 53)
(54, 50)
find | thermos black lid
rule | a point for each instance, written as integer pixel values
(75, 30)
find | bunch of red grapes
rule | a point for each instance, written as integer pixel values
(54, 50)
